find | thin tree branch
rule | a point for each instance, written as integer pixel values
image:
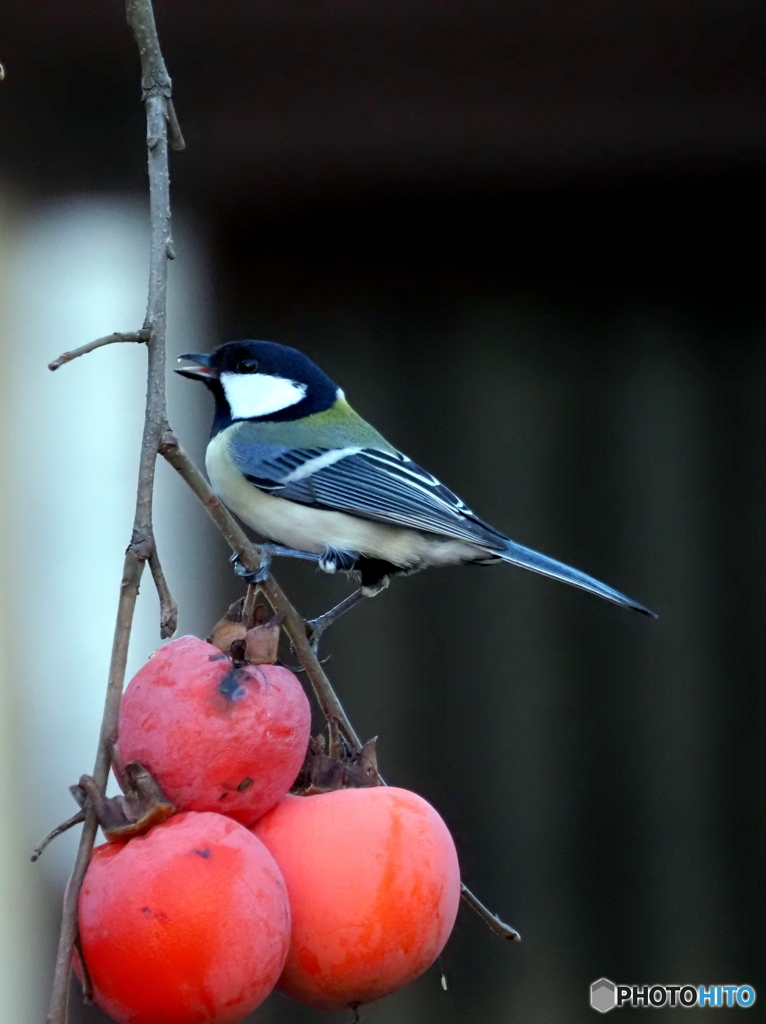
(141, 336)
(168, 604)
(155, 79)
(228, 527)
(156, 91)
(295, 627)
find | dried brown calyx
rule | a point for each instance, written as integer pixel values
(140, 806)
(324, 772)
(256, 645)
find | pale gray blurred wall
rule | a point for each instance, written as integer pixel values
(74, 270)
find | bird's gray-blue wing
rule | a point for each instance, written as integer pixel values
(372, 484)
(389, 488)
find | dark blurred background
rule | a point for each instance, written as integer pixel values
(527, 240)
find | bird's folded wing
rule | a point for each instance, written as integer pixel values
(373, 484)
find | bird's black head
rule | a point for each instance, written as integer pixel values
(260, 380)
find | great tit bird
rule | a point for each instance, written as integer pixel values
(291, 458)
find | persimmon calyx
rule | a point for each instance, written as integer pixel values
(142, 806)
(323, 773)
(255, 646)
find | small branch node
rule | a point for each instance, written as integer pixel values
(141, 548)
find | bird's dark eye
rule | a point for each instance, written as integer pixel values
(249, 366)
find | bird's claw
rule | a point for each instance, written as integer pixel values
(314, 633)
(253, 576)
(268, 551)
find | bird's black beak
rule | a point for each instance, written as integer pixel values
(202, 370)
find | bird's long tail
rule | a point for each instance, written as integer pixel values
(517, 554)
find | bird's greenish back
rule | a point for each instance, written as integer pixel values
(336, 427)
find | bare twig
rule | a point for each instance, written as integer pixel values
(156, 92)
(228, 527)
(76, 819)
(168, 604)
(295, 627)
(491, 920)
(117, 338)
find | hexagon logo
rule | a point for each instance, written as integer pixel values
(603, 995)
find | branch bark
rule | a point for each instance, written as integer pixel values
(110, 339)
(168, 604)
(156, 93)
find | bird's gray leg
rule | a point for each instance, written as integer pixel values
(317, 626)
(282, 552)
(268, 551)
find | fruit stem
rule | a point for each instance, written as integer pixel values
(493, 922)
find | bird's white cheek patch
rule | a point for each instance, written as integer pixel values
(257, 394)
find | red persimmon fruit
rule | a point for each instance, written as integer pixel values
(187, 924)
(374, 886)
(216, 737)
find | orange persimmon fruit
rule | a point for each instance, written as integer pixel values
(374, 885)
(187, 924)
(216, 737)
